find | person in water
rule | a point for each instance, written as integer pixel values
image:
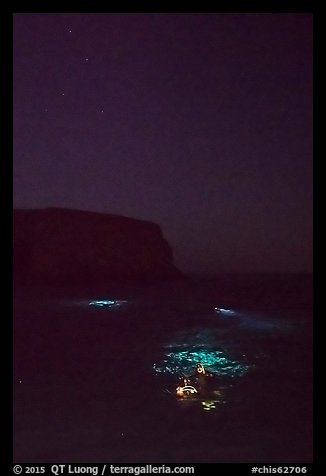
(201, 378)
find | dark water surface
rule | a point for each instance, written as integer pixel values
(94, 381)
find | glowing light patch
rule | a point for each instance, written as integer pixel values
(224, 311)
(106, 303)
(184, 362)
(208, 405)
(186, 390)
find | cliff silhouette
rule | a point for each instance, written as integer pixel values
(56, 245)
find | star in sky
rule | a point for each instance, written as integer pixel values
(168, 106)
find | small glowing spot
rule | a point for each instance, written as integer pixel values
(185, 391)
(20, 381)
(86, 59)
(224, 311)
(208, 405)
(106, 303)
(102, 303)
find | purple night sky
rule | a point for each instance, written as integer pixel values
(200, 122)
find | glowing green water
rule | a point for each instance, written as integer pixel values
(184, 362)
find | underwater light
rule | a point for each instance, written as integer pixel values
(185, 391)
(208, 405)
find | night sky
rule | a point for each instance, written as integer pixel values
(201, 123)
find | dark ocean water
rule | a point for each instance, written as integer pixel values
(95, 372)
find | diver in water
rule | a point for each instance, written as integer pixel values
(201, 378)
(200, 384)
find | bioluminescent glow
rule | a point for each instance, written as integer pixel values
(184, 362)
(224, 311)
(106, 303)
(102, 303)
